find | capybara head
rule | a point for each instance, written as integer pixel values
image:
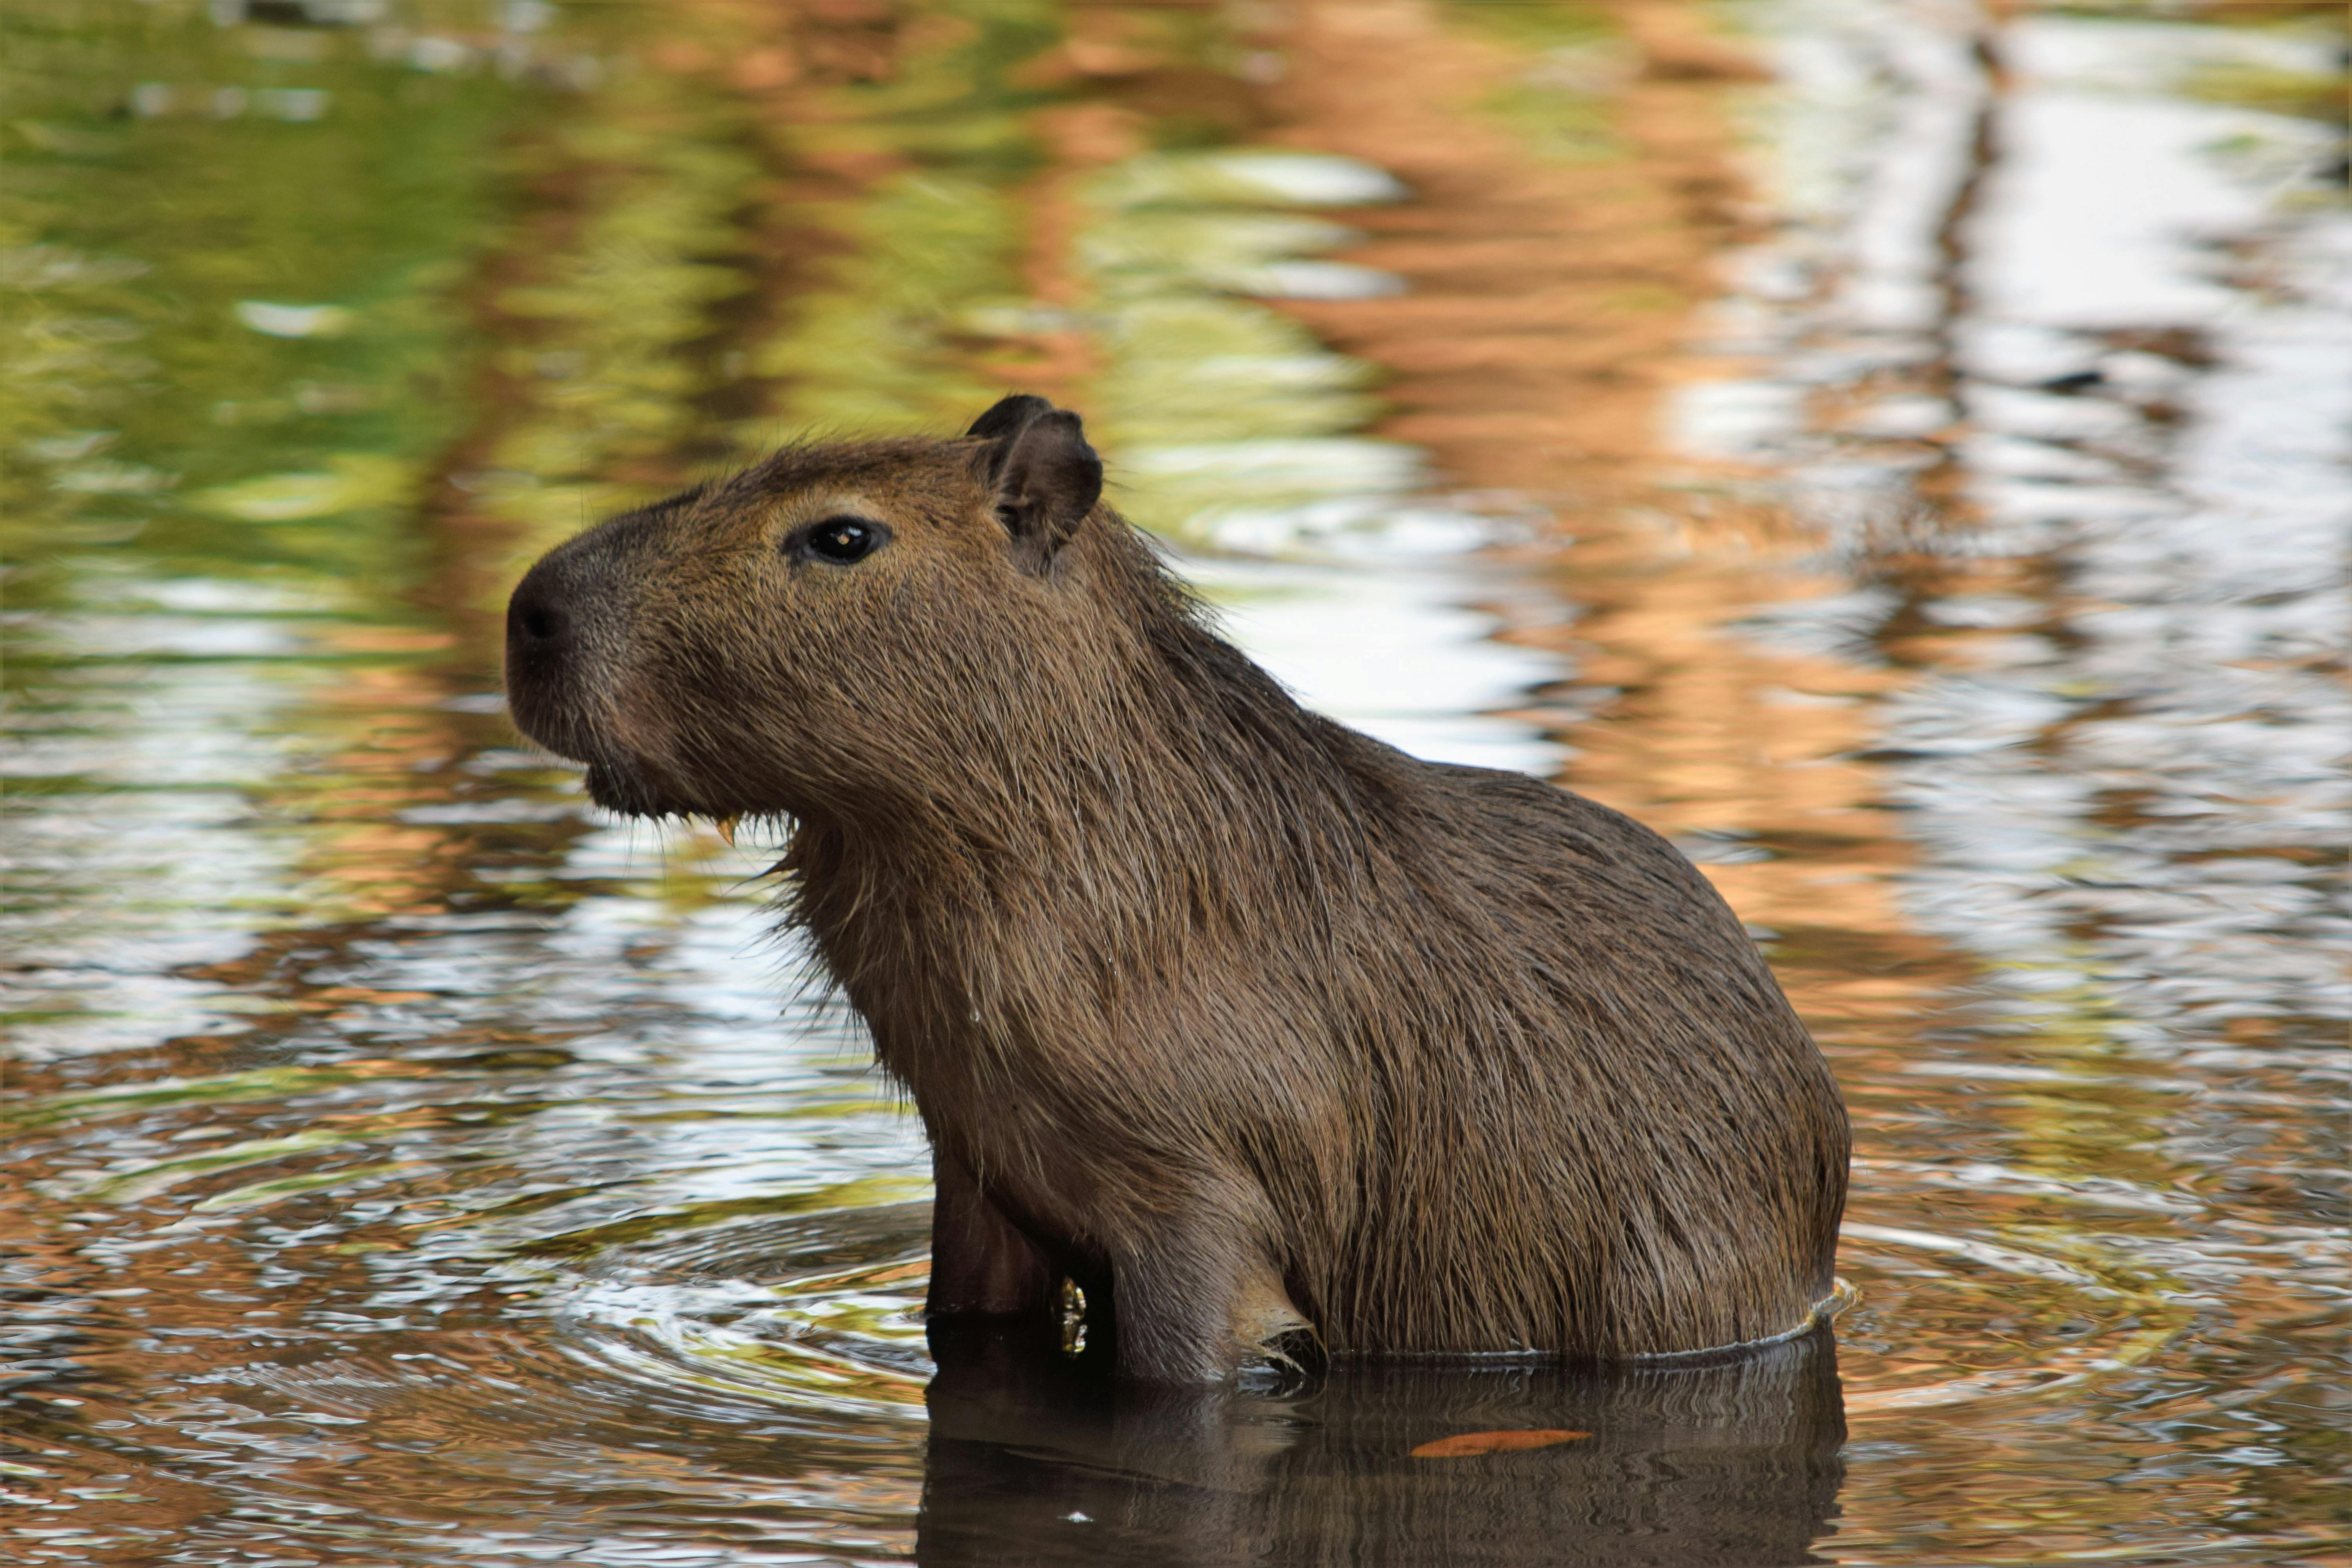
(818, 636)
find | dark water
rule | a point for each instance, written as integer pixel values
(1899, 446)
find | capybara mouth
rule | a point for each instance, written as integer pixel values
(614, 783)
(621, 777)
(618, 779)
(634, 789)
(615, 789)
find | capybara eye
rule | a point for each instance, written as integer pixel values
(841, 540)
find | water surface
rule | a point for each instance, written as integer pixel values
(1896, 447)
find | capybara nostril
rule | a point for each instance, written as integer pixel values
(536, 619)
(554, 676)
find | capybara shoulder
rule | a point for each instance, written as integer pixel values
(1257, 1031)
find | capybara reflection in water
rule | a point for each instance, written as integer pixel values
(1247, 1023)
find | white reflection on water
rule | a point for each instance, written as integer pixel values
(1326, 552)
(118, 879)
(1392, 650)
(2152, 353)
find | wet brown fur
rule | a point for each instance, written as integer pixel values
(1218, 1006)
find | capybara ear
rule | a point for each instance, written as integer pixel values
(1047, 479)
(1006, 419)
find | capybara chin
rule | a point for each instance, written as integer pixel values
(1246, 1023)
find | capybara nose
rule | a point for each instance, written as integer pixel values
(535, 621)
(542, 627)
(552, 672)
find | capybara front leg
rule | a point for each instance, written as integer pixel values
(1192, 1308)
(980, 1263)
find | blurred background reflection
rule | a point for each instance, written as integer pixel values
(1896, 447)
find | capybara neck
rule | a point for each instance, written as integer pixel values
(1168, 799)
(1155, 761)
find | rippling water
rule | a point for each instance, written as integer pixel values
(1897, 447)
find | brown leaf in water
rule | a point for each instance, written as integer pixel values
(1462, 1444)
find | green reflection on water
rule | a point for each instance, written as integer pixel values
(258, 342)
(1218, 402)
(260, 1083)
(230, 254)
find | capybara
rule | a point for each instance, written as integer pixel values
(1246, 1023)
